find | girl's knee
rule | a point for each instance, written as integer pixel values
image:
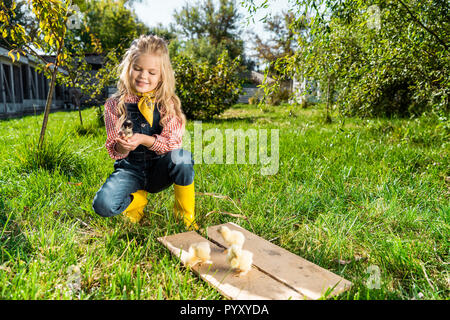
(103, 205)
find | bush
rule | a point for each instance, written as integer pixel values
(54, 155)
(206, 90)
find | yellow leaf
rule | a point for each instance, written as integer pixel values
(18, 56)
(12, 56)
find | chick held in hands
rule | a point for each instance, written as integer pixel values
(232, 237)
(127, 128)
(198, 252)
(239, 259)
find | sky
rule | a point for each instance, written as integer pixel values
(151, 12)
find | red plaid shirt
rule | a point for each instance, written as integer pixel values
(169, 139)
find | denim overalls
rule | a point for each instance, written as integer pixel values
(142, 169)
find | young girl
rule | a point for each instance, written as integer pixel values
(151, 159)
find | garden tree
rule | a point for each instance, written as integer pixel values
(49, 18)
(282, 42)
(207, 57)
(272, 52)
(202, 51)
(112, 22)
(208, 30)
(375, 57)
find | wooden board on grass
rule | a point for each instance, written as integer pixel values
(255, 285)
(303, 276)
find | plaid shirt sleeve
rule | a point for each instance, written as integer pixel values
(170, 138)
(111, 119)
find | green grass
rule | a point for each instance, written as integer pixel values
(347, 195)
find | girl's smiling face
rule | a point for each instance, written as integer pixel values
(145, 73)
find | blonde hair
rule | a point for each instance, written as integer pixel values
(167, 101)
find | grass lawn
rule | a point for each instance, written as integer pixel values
(351, 196)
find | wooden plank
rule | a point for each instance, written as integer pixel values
(255, 285)
(299, 274)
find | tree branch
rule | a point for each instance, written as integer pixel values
(423, 26)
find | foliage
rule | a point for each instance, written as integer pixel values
(207, 30)
(282, 42)
(201, 50)
(20, 17)
(374, 57)
(206, 90)
(109, 21)
(208, 56)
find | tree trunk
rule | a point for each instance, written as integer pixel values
(49, 100)
(47, 108)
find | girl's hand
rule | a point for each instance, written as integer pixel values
(134, 141)
(127, 144)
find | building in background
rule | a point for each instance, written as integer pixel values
(23, 90)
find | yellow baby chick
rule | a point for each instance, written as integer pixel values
(240, 259)
(232, 237)
(198, 252)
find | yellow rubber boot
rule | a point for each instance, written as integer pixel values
(184, 206)
(135, 210)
